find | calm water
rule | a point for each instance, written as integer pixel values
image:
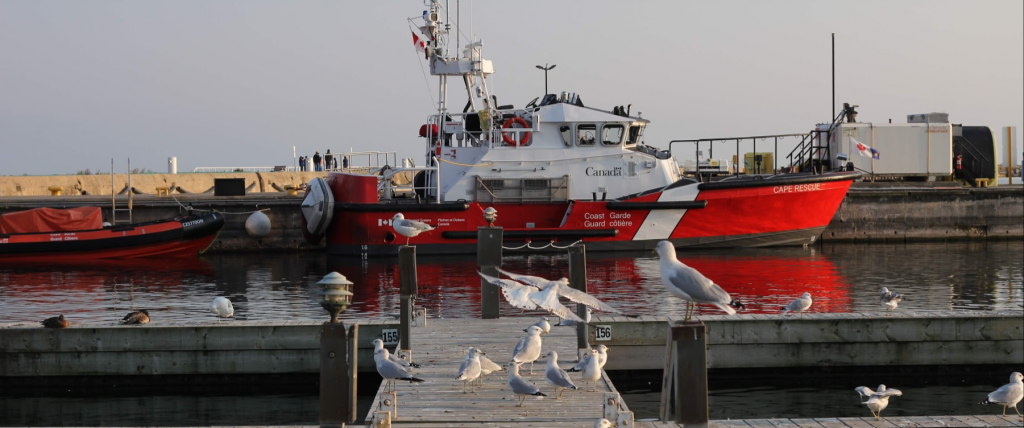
(841, 278)
(817, 396)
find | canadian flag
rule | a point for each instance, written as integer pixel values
(420, 45)
(865, 150)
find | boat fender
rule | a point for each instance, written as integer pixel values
(317, 210)
(508, 124)
(257, 225)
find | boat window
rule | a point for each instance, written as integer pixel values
(587, 135)
(566, 131)
(634, 134)
(611, 135)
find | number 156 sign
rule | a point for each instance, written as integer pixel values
(603, 332)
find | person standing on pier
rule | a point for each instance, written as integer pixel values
(329, 160)
(316, 162)
(302, 163)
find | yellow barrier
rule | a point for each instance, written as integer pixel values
(55, 190)
(291, 189)
(162, 191)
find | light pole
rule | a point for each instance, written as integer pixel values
(546, 68)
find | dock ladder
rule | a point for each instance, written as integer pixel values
(113, 195)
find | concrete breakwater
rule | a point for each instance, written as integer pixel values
(887, 214)
(734, 342)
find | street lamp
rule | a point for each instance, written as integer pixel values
(546, 68)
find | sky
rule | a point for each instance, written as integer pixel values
(238, 83)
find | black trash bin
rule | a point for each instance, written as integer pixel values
(229, 187)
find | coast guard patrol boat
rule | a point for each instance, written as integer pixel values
(557, 171)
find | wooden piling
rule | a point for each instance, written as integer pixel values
(690, 373)
(338, 374)
(488, 257)
(408, 291)
(578, 281)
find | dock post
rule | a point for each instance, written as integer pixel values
(337, 375)
(689, 389)
(409, 290)
(578, 281)
(488, 257)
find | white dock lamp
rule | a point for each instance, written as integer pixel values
(337, 294)
(490, 214)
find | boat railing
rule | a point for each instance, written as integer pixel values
(393, 182)
(278, 168)
(774, 167)
(487, 131)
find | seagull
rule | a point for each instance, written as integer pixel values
(1009, 394)
(487, 367)
(544, 325)
(584, 361)
(470, 369)
(556, 376)
(602, 355)
(879, 399)
(55, 322)
(528, 348)
(379, 344)
(517, 295)
(604, 423)
(592, 370)
(800, 305)
(519, 386)
(688, 284)
(222, 307)
(552, 290)
(409, 228)
(866, 392)
(390, 370)
(140, 316)
(890, 299)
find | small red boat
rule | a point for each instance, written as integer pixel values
(46, 234)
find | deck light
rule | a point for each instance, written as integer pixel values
(337, 294)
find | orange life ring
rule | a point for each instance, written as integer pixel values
(508, 124)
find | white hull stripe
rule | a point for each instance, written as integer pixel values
(659, 224)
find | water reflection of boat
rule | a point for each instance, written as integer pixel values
(767, 279)
(103, 274)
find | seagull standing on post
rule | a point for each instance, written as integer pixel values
(409, 228)
(686, 283)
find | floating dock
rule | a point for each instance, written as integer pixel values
(240, 347)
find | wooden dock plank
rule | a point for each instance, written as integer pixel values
(439, 349)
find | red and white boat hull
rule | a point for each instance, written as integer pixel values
(779, 210)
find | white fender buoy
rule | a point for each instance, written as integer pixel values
(317, 207)
(257, 225)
